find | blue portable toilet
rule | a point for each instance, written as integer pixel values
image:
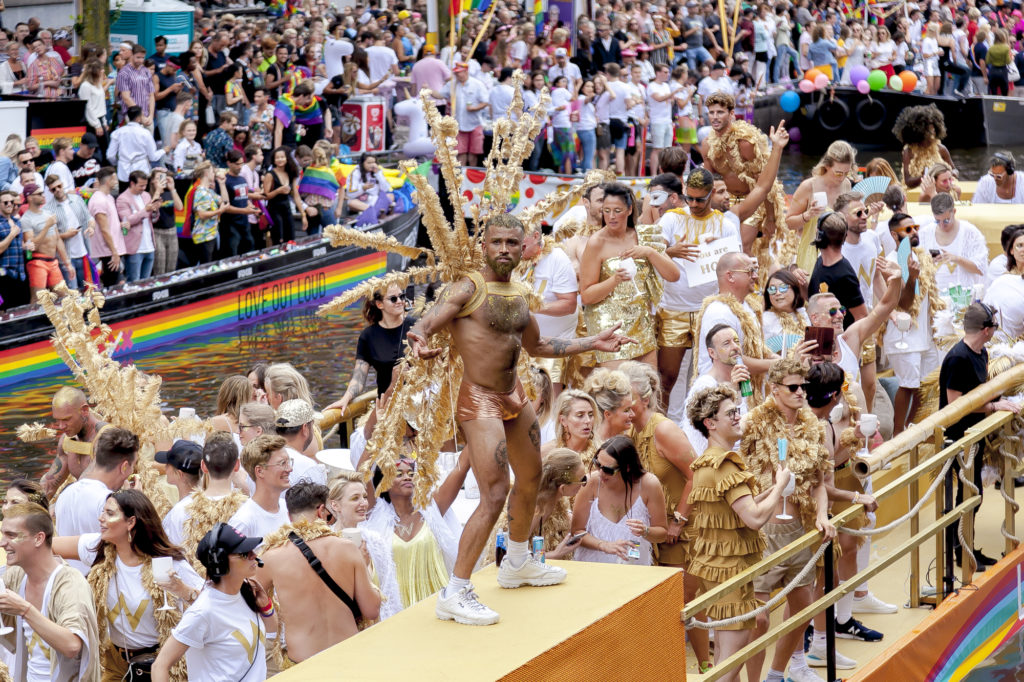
(141, 21)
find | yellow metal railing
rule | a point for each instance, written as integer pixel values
(347, 419)
(927, 454)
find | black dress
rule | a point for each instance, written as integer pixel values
(283, 229)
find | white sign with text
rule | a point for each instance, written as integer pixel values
(702, 270)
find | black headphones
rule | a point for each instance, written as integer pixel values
(1006, 160)
(991, 313)
(218, 561)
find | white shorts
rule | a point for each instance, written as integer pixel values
(661, 135)
(910, 368)
(931, 67)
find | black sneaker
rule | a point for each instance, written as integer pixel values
(854, 629)
(984, 560)
(808, 633)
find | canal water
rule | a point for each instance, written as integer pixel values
(323, 350)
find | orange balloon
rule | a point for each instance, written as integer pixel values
(812, 74)
(909, 79)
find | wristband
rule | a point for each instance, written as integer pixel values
(856, 497)
(269, 608)
(267, 614)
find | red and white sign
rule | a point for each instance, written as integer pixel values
(362, 124)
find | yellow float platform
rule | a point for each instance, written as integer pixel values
(605, 622)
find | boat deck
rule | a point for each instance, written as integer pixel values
(893, 586)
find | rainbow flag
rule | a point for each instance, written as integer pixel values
(538, 15)
(89, 269)
(185, 226)
(278, 8)
(480, 5)
(286, 112)
(320, 181)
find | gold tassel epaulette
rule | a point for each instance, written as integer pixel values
(35, 432)
(339, 235)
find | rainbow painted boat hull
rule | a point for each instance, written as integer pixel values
(167, 311)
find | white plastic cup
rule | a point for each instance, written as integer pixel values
(820, 199)
(162, 569)
(353, 535)
(186, 413)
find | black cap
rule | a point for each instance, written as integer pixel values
(717, 65)
(229, 538)
(89, 140)
(184, 455)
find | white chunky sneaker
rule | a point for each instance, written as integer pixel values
(817, 657)
(872, 604)
(803, 675)
(464, 607)
(532, 572)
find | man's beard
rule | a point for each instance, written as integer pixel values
(501, 268)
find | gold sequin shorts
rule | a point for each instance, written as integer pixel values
(676, 329)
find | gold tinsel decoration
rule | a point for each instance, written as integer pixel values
(377, 241)
(401, 279)
(35, 432)
(425, 390)
(121, 395)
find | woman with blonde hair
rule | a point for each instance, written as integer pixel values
(575, 415)
(318, 188)
(613, 395)
(930, 58)
(348, 503)
(831, 176)
(879, 167)
(544, 404)
(234, 392)
(284, 382)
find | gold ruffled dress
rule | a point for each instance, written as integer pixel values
(672, 483)
(722, 546)
(629, 303)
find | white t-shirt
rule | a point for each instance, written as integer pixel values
(146, 241)
(716, 313)
(380, 58)
(996, 267)
(225, 639)
(577, 213)
(680, 94)
(661, 112)
(38, 667)
(78, 511)
(252, 520)
(560, 97)
(472, 92)
(985, 193)
(638, 94)
(305, 469)
(500, 97)
(588, 115)
(1006, 294)
(554, 275)
(128, 603)
(709, 86)
(679, 296)
(969, 243)
(864, 257)
(919, 338)
(617, 106)
(571, 73)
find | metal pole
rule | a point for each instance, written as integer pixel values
(830, 616)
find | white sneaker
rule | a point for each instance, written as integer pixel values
(803, 675)
(872, 604)
(532, 572)
(464, 607)
(817, 657)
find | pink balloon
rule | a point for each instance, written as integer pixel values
(806, 86)
(863, 87)
(820, 81)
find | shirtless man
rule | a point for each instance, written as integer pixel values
(730, 137)
(593, 200)
(78, 428)
(490, 322)
(300, 591)
(42, 238)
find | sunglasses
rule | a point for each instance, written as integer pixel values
(793, 388)
(750, 271)
(840, 174)
(860, 212)
(910, 228)
(410, 474)
(697, 200)
(396, 299)
(832, 311)
(777, 289)
(611, 471)
(7, 203)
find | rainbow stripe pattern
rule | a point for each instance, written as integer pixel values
(225, 311)
(320, 181)
(46, 136)
(993, 623)
(286, 111)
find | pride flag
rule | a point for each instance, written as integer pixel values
(320, 181)
(185, 226)
(286, 111)
(538, 16)
(89, 269)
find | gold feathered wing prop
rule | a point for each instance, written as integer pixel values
(121, 395)
(425, 390)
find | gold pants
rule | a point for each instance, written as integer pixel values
(676, 329)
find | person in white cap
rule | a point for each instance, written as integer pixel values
(294, 423)
(563, 67)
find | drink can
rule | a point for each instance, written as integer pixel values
(500, 547)
(538, 547)
(746, 388)
(634, 551)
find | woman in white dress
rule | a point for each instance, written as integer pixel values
(619, 489)
(855, 49)
(1006, 293)
(930, 55)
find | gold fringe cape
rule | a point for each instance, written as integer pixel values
(806, 455)
(100, 577)
(205, 513)
(922, 156)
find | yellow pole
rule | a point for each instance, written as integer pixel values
(722, 25)
(735, 25)
(483, 29)
(452, 52)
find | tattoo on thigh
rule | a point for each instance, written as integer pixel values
(535, 435)
(501, 453)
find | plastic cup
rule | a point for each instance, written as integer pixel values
(820, 199)
(353, 535)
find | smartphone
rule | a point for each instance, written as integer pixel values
(935, 253)
(575, 539)
(825, 338)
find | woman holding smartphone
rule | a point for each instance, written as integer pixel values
(134, 613)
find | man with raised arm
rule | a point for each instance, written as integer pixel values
(490, 321)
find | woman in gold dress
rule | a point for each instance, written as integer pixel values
(575, 415)
(619, 278)
(921, 130)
